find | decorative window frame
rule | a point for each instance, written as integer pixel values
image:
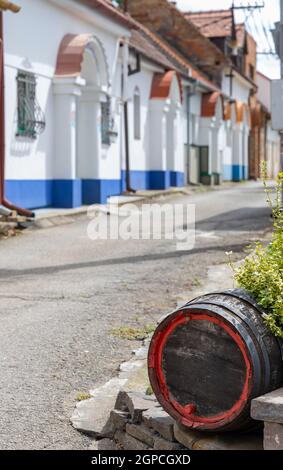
(30, 117)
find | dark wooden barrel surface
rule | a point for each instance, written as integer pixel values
(210, 358)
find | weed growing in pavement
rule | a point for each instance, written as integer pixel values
(83, 396)
(131, 333)
(261, 274)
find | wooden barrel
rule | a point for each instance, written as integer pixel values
(210, 358)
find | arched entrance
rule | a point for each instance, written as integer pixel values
(166, 162)
(211, 160)
(81, 84)
(241, 142)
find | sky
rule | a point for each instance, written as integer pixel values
(258, 24)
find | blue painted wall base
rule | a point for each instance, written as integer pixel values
(153, 179)
(97, 191)
(29, 193)
(177, 179)
(63, 193)
(235, 172)
(67, 193)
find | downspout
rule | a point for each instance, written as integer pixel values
(188, 137)
(125, 101)
(3, 201)
(125, 109)
(127, 71)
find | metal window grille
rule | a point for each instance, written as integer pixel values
(31, 120)
(106, 121)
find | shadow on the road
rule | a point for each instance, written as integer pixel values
(247, 219)
(6, 273)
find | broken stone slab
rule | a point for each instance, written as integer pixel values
(141, 353)
(131, 366)
(160, 421)
(103, 444)
(135, 403)
(273, 436)
(138, 379)
(268, 407)
(195, 440)
(127, 442)
(163, 444)
(141, 433)
(119, 419)
(92, 416)
(110, 388)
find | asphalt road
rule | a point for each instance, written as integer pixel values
(62, 293)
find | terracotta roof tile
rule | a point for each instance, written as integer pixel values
(216, 24)
(140, 42)
(106, 7)
(157, 49)
(166, 20)
(212, 23)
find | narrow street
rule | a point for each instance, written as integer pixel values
(62, 294)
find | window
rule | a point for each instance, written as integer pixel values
(31, 119)
(137, 114)
(106, 121)
(26, 104)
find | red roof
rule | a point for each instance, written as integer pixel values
(216, 24)
(105, 7)
(157, 49)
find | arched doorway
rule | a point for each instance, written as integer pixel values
(211, 154)
(81, 84)
(241, 142)
(166, 163)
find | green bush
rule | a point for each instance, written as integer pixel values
(261, 274)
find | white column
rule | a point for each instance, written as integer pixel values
(237, 152)
(158, 129)
(89, 135)
(170, 138)
(206, 139)
(180, 163)
(66, 92)
(246, 151)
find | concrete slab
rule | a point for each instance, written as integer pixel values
(269, 407)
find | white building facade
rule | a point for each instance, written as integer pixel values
(81, 84)
(62, 86)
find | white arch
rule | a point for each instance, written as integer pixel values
(95, 60)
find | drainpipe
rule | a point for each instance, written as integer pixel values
(127, 71)
(191, 91)
(188, 136)
(4, 5)
(125, 101)
(125, 112)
